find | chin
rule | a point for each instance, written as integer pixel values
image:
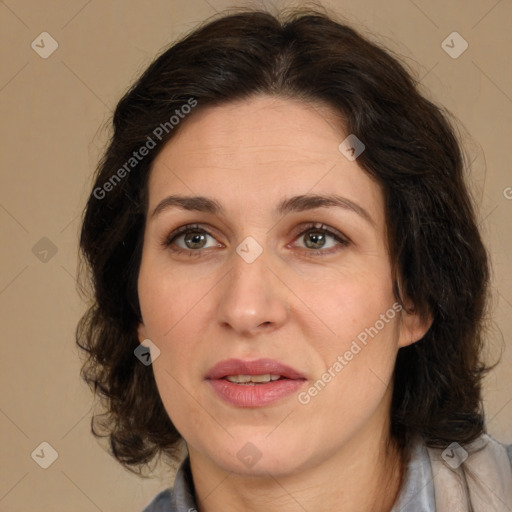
(259, 455)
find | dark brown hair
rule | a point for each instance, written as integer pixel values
(411, 151)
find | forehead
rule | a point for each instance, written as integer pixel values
(252, 153)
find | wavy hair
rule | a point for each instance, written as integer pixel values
(440, 263)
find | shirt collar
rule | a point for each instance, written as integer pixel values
(183, 490)
(417, 491)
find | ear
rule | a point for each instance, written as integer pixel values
(413, 326)
(141, 332)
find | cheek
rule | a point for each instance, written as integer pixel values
(356, 371)
(174, 307)
(367, 332)
(168, 298)
(340, 306)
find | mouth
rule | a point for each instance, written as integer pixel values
(253, 383)
(265, 369)
(253, 379)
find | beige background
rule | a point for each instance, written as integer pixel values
(53, 113)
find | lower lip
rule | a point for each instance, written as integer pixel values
(257, 395)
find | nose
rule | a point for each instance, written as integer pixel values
(252, 298)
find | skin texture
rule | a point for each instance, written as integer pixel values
(289, 304)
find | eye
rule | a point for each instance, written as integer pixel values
(193, 238)
(315, 237)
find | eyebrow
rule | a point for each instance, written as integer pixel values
(292, 204)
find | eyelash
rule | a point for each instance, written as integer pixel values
(168, 241)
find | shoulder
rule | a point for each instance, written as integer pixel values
(162, 502)
(459, 472)
(499, 447)
(484, 446)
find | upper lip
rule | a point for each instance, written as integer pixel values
(255, 367)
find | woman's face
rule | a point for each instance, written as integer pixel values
(257, 279)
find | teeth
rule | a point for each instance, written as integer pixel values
(247, 379)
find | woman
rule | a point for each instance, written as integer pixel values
(289, 277)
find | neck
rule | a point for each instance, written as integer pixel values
(365, 475)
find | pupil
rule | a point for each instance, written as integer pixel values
(195, 238)
(318, 239)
